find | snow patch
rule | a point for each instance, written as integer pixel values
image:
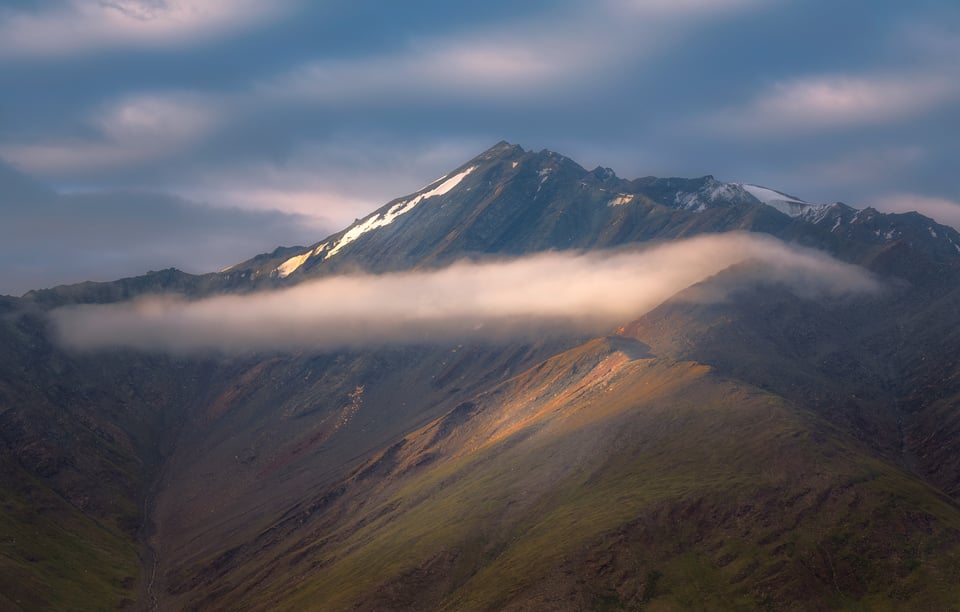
(722, 191)
(544, 174)
(712, 191)
(514, 164)
(786, 204)
(290, 266)
(689, 201)
(768, 195)
(400, 208)
(815, 213)
(621, 199)
(932, 233)
(293, 264)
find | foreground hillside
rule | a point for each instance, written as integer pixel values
(607, 478)
(82, 439)
(770, 447)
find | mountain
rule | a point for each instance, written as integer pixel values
(773, 449)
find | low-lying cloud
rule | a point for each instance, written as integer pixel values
(566, 292)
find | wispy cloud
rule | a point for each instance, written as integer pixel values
(47, 238)
(865, 165)
(588, 292)
(680, 8)
(128, 131)
(825, 102)
(485, 65)
(563, 51)
(339, 179)
(940, 209)
(563, 55)
(78, 26)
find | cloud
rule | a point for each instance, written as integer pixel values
(482, 66)
(825, 102)
(78, 26)
(942, 210)
(340, 179)
(565, 51)
(526, 297)
(47, 238)
(680, 8)
(128, 131)
(864, 166)
(562, 57)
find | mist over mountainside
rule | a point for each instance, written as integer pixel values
(769, 417)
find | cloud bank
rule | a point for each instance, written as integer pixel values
(828, 102)
(49, 238)
(563, 292)
(940, 209)
(127, 132)
(76, 26)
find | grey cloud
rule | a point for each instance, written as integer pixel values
(583, 292)
(940, 209)
(48, 238)
(65, 28)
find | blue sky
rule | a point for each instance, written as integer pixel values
(144, 134)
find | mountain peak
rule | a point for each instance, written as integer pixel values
(510, 200)
(503, 150)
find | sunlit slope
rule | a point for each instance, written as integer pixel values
(288, 428)
(607, 477)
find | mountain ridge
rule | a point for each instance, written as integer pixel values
(627, 209)
(770, 449)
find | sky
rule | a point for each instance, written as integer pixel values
(138, 135)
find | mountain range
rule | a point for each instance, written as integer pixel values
(759, 437)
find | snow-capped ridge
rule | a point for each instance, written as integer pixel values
(788, 205)
(711, 192)
(767, 195)
(523, 177)
(815, 213)
(714, 192)
(400, 208)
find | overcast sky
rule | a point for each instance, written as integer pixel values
(144, 134)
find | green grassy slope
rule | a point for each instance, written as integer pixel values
(54, 556)
(81, 437)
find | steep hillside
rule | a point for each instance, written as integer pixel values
(81, 440)
(882, 368)
(604, 477)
